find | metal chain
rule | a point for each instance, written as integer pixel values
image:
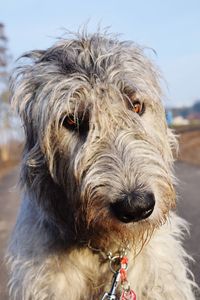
(118, 265)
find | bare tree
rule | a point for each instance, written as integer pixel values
(5, 126)
(4, 57)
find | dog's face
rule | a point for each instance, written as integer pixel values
(95, 126)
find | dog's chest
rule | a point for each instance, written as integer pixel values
(82, 277)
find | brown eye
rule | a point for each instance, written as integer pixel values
(79, 125)
(70, 122)
(133, 102)
(138, 108)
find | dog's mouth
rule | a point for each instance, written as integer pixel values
(131, 218)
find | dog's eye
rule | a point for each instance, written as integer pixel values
(79, 125)
(138, 108)
(70, 122)
(133, 103)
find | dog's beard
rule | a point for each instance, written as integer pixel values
(102, 230)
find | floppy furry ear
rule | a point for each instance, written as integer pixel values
(24, 88)
(27, 83)
(23, 91)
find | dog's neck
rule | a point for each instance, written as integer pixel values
(108, 255)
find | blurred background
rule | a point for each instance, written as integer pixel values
(171, 28)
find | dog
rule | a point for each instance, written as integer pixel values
(97, 219)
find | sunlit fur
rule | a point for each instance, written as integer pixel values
(70, 178)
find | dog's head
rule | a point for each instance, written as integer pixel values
(98, 153)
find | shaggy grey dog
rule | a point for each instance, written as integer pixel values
(97, 175)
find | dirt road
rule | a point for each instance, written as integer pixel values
(188, 207)
(9, 202)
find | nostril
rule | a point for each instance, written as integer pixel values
(121, 210)
(147, 204)
(134, 206)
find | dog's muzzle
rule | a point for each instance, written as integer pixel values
(134, 206)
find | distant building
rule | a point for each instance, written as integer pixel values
(179, 121)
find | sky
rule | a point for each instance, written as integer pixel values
(171, 28)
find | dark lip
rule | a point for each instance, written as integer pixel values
(129, 218)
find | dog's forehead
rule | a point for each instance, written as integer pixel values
(98, 58)
(85, 71)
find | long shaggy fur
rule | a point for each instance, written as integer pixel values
(85, 148)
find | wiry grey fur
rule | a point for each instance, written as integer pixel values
(71, 176)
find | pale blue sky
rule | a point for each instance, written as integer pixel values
(170, 27)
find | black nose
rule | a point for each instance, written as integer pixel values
(134, 206)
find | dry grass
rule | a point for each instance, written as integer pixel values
(11, 159)
(190, 147)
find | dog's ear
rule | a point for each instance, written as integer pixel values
(23, 84)
(24, 88)
(26, 84)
